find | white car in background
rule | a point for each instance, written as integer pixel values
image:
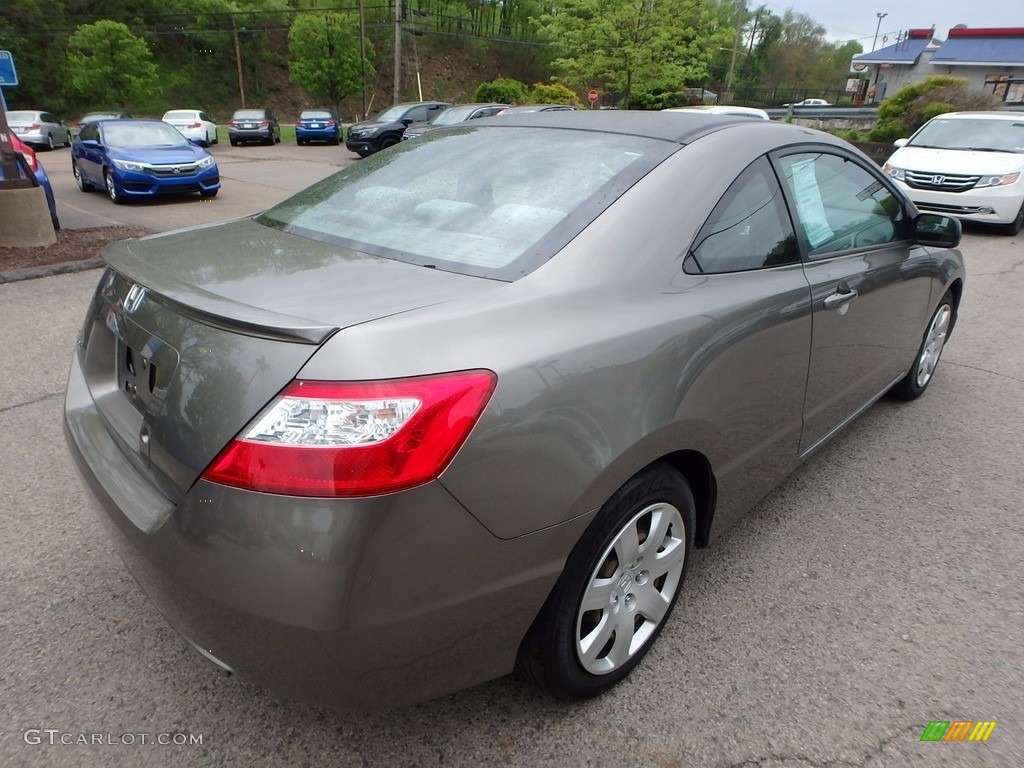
(966, 164)
(722, 109)
(194, 124)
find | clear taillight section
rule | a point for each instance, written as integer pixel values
(321, 438)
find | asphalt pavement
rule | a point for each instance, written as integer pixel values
(877, 590)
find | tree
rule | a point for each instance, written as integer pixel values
(325, 60)
(553, 93)
(110, 65)
(502, 90)
(619, 45)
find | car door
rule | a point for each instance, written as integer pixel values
(754, 362)
(868, 302)
(90, 156)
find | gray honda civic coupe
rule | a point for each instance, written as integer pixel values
(468, 406)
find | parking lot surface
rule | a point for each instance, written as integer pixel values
(876, 591)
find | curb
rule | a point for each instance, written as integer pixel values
(49, 270)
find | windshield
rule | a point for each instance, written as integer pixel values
(492, 202)
(979, 134)
(453, 115)
(392, 115)
(125, 134)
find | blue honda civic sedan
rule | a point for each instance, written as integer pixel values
(134, 159)
(317, 125)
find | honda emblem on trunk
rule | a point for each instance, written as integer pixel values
(134, 298)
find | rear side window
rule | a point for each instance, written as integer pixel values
(748, 229)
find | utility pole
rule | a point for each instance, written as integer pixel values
(878, 27)
(362, 54)
(398, 51)
(238, 60)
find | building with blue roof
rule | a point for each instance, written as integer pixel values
(992, 60)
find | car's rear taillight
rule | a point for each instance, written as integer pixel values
(264, 122)
(359, 438)
(30, 158)
(232, 122)
(196, 125)
(35, 126)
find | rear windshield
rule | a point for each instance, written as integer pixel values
(181, 114)
(21, 117)
(494, 202)
(250, 114)
(309, 114)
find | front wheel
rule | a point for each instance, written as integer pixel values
(1015, 226)
(79, 179)
(916, 381)
(617, 589)
(112, 190)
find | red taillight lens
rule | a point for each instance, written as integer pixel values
(35, 126)
(196, 125)
(324, 438)
(264, 122)
(329, 124)
(30, 158)
(232, 122)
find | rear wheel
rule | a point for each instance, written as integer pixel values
(914, 383)
(617, 589)
(49, 142)
(112, 189)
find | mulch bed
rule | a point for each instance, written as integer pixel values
(73, 245)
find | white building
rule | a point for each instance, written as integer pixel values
(992, 59)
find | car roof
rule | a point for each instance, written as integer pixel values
(679, 127)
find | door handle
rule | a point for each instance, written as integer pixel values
(837, 300)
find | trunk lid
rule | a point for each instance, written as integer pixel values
(190, 334)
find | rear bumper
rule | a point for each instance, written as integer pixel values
(317, 134)
(361, 603)
(255, 134)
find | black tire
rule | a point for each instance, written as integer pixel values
(363, 153)
(913, 385)
(50, 145)
(208, 193)
(112, 191)
(67, 139)
(390, 141)
(83, 185)
(300, 142)
(336, 141)
(561, 652)
(1015, 226)
(234, 142)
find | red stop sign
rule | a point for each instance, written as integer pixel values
(592, 95)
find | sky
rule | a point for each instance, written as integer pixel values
(849, 21)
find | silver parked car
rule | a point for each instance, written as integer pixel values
(470, 405)
(40, 129)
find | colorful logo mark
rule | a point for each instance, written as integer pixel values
(958, 730)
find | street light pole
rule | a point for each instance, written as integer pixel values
(878, 27)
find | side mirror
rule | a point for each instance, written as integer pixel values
(91, 143)
(900, 143)
(406, 121)
(937, 230)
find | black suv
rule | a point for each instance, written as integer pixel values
(387, 128)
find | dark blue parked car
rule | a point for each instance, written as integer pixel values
(140, 159)
(317, 125)
(42, 180)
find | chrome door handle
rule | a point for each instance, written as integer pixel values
(836, 300)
